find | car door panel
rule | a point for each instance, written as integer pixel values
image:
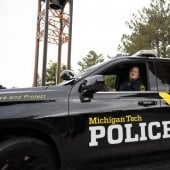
(119, 119)
(163, 79)
(114, 124)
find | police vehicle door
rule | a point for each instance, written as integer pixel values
(115, 123)
(163, 79)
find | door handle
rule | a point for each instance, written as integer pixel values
(147, 103)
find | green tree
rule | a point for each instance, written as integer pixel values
(150, 29)
(51, 73)
(91, 59)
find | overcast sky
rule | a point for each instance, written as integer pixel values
(97, 25)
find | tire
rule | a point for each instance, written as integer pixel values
(26, 154)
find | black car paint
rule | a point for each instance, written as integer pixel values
(57, 112)
(48, 115)
(112, 104)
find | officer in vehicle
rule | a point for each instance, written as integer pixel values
(134, 82)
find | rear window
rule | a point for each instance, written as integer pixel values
(163, 75)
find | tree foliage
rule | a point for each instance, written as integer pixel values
(51, 73)
(150, 29)
(91, 59)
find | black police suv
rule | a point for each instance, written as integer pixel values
(87, 122)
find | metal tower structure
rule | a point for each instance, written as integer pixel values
(54, 26)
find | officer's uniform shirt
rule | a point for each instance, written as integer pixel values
(133, 85)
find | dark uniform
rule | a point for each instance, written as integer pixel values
(133, 85)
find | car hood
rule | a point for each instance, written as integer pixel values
(33, 94)
(35, 103)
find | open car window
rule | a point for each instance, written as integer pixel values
(116, 75)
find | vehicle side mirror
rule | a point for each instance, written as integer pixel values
(90, 86)
(67, 75)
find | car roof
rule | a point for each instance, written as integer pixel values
(144, 54)
(134, 57)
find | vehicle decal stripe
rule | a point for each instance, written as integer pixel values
(165, 97)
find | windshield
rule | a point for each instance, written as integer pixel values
(88, 70)
(83, 73)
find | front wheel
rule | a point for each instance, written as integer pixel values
(26, 154)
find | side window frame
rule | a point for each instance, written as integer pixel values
(134, 62)
(151, 76)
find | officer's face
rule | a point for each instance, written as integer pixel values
(134, 73)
